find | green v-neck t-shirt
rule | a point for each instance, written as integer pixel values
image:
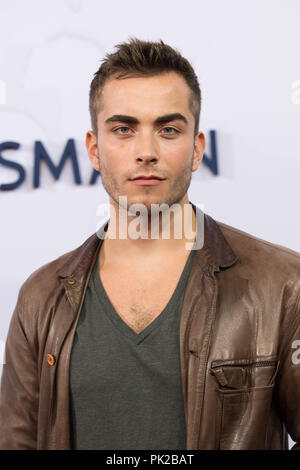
(125, 387)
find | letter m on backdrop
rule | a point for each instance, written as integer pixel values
(40, 153)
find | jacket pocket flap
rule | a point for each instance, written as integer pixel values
(245, 373)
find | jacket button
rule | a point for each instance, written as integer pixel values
(50, 359)
(71, 281)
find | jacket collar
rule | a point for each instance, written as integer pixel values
(214, 254)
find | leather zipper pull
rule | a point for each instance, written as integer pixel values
(220, 376)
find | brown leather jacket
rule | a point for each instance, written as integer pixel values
(239, 326)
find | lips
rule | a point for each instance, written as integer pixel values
(143, 180)
(151, 177)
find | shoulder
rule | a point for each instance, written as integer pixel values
(44, 282)
(43, 290)
(261, 255)
(45, 277)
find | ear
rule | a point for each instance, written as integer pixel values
(92, 149)
(199, 147)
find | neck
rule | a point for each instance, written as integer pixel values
(149, 236)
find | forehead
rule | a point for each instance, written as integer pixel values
(155, 94)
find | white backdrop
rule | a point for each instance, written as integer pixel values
(246, 55)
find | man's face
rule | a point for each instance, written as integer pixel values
(132, 142)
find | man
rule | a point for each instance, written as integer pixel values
(154, 342)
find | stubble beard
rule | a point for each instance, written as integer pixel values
(176, 193)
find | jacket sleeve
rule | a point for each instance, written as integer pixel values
(287, 389)
(19, 385)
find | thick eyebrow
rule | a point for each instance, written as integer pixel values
(158, 120)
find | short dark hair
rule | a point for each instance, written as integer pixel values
(137, 58)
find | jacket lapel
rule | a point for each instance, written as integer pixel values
(74, 276)
(197, 318)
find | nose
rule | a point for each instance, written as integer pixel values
(146, 151)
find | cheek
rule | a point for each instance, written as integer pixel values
(113, 150)
(112, 157)
(178, 157)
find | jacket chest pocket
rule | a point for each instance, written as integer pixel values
(244, 397)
